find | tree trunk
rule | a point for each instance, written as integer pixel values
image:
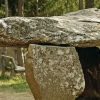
(6, 8)
(6, 15)
(20, 13)
(80, 4)
(19, 57)
(36, 8)
(89, 4)
(20, 7)
(90, 61)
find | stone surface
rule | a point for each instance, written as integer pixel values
(57, 71)
(79, 29)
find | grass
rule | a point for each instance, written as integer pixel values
(16, 84)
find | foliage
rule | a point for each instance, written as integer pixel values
(97, 3)
(51, 7)
(45, 7)
(2, 13)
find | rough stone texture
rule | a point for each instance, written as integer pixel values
(57, 71)
(80, 29)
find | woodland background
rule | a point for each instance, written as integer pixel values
(32, 8)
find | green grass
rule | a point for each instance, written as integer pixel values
(16, 84)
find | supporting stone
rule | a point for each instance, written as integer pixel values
(90, 61)
(54, 73)
(31, 80)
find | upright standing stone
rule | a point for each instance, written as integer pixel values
(57, 72)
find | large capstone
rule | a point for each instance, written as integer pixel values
(55, 72)
(79, 29)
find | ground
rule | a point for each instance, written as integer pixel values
(6, 95)
(14, 89)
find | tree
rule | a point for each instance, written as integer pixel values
(36, 8)
(19, 57)
(80, 4)
(47, 7)
(20, 7)
(20, 13)
(89, 4)
(6, 15)
(6, 8)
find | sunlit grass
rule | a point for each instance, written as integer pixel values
(16, 84)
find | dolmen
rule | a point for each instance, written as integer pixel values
(63, 60)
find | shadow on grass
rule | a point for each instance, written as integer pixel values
(16, 84)
(2, 78)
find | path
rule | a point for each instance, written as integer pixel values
(15, 96)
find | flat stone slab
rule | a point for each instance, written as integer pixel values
(57, 71)
(79, 29)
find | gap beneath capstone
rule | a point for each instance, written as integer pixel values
(90, 62)
(51, 44)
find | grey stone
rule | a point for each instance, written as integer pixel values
(57, 71)
(79, 29)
